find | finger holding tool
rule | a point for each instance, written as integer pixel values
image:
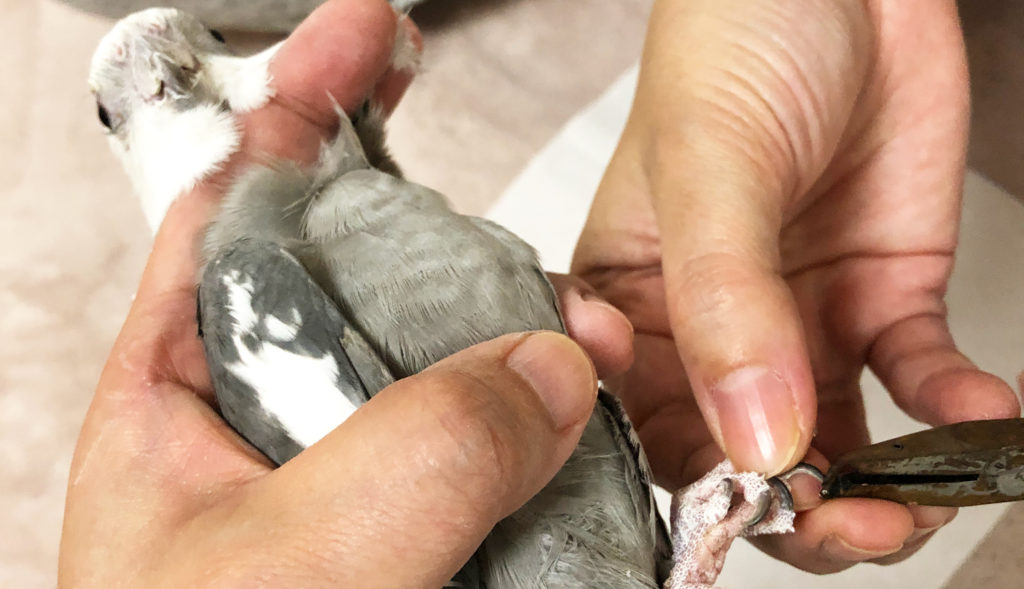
(958, 465)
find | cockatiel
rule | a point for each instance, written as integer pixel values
(321, 286)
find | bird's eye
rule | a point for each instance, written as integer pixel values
(216, 35)
(104, 115)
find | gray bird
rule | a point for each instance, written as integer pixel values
(321, 286)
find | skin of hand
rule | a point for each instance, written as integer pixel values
(782, 212)
(163, 493)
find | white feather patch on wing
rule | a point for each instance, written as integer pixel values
(300, 391)
(171, 151)
(280, 330)
(240, 301)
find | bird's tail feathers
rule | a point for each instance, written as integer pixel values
(359, 144)
(370, 124)
(343, 154)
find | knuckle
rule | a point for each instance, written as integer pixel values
(714, 284)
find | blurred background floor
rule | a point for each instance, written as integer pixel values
(501, 77)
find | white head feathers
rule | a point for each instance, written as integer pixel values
(168, 89)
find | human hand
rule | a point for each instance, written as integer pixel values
(782, 211)
(163, 492)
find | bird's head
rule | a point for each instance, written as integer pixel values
(167, 89)
(154, 58)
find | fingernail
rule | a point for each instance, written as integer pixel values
(560, 373)
(595, 299)
(838, 549)
(757, 417)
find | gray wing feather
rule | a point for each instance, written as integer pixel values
(640, 489)
(373, 373)
(596, 523)
(258, 308)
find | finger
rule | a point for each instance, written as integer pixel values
(340, 55)
(841, 425)
(728, 144)
(344, 47)
(931, 380)
(737, 330)
(840, 533)
(673, 432)
(601, 329)
(416, 478)
(927, 521)
(826, 541)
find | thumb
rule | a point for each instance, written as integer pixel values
(735, 119)
(403, 492)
